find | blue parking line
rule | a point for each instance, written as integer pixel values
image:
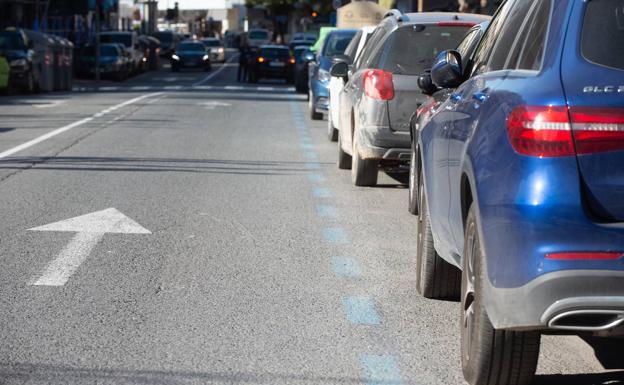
(313, 165)
(335, 235)
(307, 146)
(381, 370)
(325, 211)
(346, 267)
(310, 155)
(321, 192)
(316, 177)
(360, 311)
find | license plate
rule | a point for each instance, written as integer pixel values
(276, 64)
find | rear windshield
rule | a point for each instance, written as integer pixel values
(105, 50)
(192, 47)
(211, 43)
(603, 33)
(125, 39)
(165, 37)
(275, 53)
(11, 40)
(259, 35)
(411, 49)
(337, 43)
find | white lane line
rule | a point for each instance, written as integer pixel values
(266, 88)
(141, 88)
(68, 127)
(218, 71)
(203, 87)
(173, 88)
(233, 88)
(109, 88)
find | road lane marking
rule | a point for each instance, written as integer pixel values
(325, 211)
(265, 88)
(316, 178)
(321, 192)
(313, 165)
(89, 229)
(68, 127)
(141, 88)
(381, 370)
(346, 267)
(234, 88)
(360, 310)
(173, 88)
(310, 155)
(335, 235)
(215, 73)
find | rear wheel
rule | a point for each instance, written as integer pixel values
(364, 172)
(344, 159)
(435, 278)
(332, 132)
(312, 107)
(413, 182)
(489, 356)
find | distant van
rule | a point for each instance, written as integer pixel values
(131, 41)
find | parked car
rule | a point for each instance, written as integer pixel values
(114, 64)
(336, 84)
(191, 54)
(382, 92)
(131, 41)
(437, 96)
(258, 37)
(151, 51)
(303, 57)
(23, 61)
(334, 43)
(304, 37)
(273, 61)
(216, 49)
(521, 198)
(4, 74)
(169, 42)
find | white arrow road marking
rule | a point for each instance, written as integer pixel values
(90, 229)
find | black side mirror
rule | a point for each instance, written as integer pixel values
(447, 70)
(308, 56)
(339, 70)
(426, 84)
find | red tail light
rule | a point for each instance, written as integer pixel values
(597, 129)
(260, 59)
(540, 131)
(584, 256)
(378, 84)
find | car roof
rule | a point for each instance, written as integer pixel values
(437, 17)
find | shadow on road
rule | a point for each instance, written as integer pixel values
(609, 378)
(214, 166)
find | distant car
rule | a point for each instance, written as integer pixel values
(151, 51)
(4, 74)
(191, 54)
(382, 91)
(336, 84)
(18, 50)
(131, 41)
(169, 42)
(216, 48)
(299, 43)
(303, 56)
(303, 36)
(273, 61)
(258, 37)
(334, 43)
(113, 63)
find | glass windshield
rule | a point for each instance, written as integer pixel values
(105, 50)
(211, 43)
(412, 49)
(275, 53)
(123, 38)
(603, 33)
(193, 47)
(11, 40)
(164, 37)
(336, 44)
(259, 35)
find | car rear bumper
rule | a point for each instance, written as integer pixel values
(567, 301)
(380, 142)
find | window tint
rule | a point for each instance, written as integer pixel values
(411, 49)
(370, 46)
(275, 53)
(489, 38)
(352, 47)
(11, 40)
(508, 34)
(259, 35)
(192, 47)
(528, 50)
(464, 46)
(123, 38)
(336, 44)
(602, 41)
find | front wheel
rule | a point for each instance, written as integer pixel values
(344, 159)
(332, 132)
(364, 172)
(489, 356)
(413, 182)
(312, 107)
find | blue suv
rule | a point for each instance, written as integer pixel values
(335, 43)
(521, 183)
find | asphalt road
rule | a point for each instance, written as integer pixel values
(226, 248)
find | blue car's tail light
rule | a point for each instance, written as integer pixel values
(597, 129)
(540, 131)
(585, 256)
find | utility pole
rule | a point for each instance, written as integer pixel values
(98, 7)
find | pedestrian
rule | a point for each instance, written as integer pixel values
(243, 53)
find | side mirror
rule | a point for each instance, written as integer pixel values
(447, 70)
(339, 70)
(342, 58)
(426, 84)
(308, 56)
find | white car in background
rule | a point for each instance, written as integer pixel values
(258, 37)
(336, 84)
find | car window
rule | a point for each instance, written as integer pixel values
(602, 40)
(192, 47)
(352, 47)
(275, 53)
(528, 50)
(123, 38)
(370, 46)
(259, 35)
(211, 43)
(464, 46)
(336, 44)
(411, 49)
(489, 39)
(508, 34)
(11, 40)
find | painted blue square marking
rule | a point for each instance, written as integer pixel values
(360, 311)
(316, 178)
(325, 211)
(346, 267)
(381, 370)
(321, 192)
(335, 235)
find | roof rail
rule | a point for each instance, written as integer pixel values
(398, 15)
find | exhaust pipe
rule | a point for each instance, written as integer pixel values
(587, 320)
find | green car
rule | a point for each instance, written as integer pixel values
(4, 73)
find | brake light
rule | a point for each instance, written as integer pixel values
(260, 59)
(575, 256)
(597, 129)
(456, 24)
(540, 131)
(378, 84)
(292, 60)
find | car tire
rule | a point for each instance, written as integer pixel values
(312, 108)
(332, 132)
(414, 173)
(435, 277)
(364, 172)
(489, 356)
(344, 159)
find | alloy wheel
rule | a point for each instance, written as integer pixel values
(468, 293)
